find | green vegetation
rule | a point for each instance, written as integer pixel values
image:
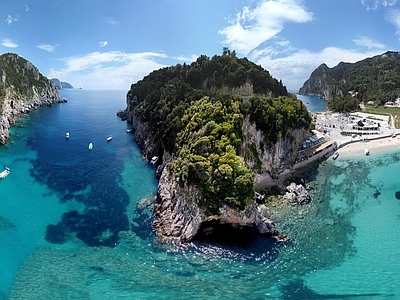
(345, 104)
(275, 117)
(207, 154)
(19, 74)
(203, 128)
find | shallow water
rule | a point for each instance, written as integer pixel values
(71, 228)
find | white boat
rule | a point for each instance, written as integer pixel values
(109, 138)
(154, 159)
(129, 130)
(67, 135)
(366, 151)
(90, 146)
(335, 155)
(4, 173)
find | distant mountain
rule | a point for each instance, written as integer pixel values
(61, 85)
(372, 79)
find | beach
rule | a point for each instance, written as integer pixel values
(357, 149)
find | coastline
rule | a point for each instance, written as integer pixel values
(356, 149)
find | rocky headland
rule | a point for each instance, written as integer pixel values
(184, 205)
(22, 89)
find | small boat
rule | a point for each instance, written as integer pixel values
(335, 155)
(366, 151)
(129, 130)
(109, 138)
(67, 135)
(4, 173)
(90, 146)
(154, 159)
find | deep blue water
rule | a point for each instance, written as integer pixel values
(73, 224)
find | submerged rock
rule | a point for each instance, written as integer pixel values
(297, 194)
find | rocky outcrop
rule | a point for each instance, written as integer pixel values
(268, 162)
(321, 84)
(179, 213)
(30, 91)
(297, 194)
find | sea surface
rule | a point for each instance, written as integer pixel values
(313, 103)
(76, 224)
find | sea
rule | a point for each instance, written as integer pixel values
(76, 223)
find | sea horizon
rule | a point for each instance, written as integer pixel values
(76, 224)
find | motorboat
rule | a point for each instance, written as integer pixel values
(129, 130)
(4, 173)
(335, 155)
(67, 135)
(366, 151)
(90, 146)
(109, 138)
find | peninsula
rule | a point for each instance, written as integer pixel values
(218, 126)
(22, 88)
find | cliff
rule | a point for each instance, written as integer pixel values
(61, 84)
(321, 84)
(372, 79)
(215, 142)
(22, 88)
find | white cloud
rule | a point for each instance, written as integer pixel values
(10, 19)
(393, 16)
(9, 43)
(107, 70)
(48, 48)
(296, 68)
(255, 25)
(103, 44)
(374, 4)
(110, 21)
(188, 60)
(368, 42)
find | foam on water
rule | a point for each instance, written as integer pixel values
(344, 242)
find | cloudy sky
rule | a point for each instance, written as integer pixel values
(110, 44)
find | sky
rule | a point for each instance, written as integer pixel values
(111, 44)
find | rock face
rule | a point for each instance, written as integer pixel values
(20, 95)
(297, 194)
(270, 161)
(179, 215)
(61, 84)
(319, 85)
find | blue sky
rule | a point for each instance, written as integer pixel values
(110, 44)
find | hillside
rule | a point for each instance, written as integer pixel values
(218, 124)
(22, 88)
(373, 79)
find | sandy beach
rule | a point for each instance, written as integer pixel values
(356, 149)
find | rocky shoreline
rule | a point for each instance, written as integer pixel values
(15, 105)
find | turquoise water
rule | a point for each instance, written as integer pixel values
(313, 103)
(71, 226)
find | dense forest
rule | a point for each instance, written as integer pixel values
(202, 127)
